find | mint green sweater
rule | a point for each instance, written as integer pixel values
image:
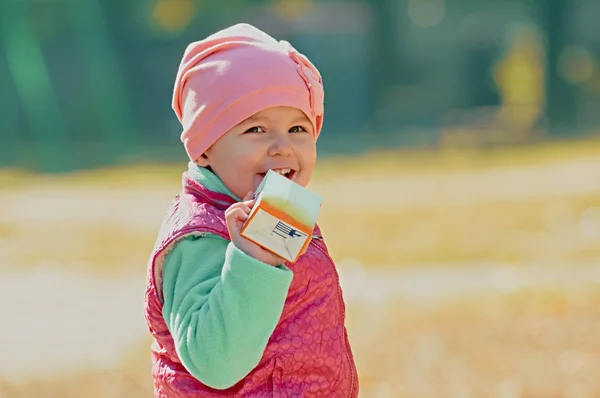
(220, 305)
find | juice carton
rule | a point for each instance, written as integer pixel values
(283, 217)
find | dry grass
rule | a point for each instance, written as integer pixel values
(523, 206)
(533, 343)
(449, 159)
(515, 232)
(129, 379)
(411, 209)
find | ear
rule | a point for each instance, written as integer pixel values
(203, 161)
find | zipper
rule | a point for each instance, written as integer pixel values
(349, 357)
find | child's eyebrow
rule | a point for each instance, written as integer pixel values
(254, 119)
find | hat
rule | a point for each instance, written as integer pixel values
(235, 73)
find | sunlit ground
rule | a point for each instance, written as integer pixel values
(466, 273)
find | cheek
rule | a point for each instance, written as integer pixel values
(247, 159)
(308, 153)
(237, 153)
(308, 158)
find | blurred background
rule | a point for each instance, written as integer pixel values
(459, 165)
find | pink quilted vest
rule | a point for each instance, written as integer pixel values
(308, 354)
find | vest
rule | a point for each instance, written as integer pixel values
(308, 354)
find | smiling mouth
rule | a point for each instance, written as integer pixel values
(288, 173)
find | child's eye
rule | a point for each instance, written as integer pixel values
(298, 129)
(256, 129)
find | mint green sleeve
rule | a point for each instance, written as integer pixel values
(221, 307)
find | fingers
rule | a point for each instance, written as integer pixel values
(239, 214)
(242, 213)
(245, 206)
(235, 216)
(278, 260)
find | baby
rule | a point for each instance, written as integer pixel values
(228, 317)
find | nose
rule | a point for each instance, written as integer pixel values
(281, 145)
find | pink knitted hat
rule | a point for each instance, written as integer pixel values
(235, 73)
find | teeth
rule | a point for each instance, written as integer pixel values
(282, 171)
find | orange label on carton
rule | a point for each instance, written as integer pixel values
(276, 231)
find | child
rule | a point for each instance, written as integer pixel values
(229, 318)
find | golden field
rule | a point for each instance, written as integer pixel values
(467, 273)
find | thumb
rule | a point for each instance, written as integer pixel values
(248, 196)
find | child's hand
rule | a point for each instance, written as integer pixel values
(235, 216)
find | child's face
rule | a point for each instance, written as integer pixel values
(278, 138)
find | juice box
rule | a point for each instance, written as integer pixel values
(283, 217)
